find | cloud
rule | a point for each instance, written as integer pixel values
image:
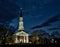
(47, 23)
(14, 23)
(57, 28)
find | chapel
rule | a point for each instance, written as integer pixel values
(21, 36)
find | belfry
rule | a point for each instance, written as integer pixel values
(21, 26)
(21, 36)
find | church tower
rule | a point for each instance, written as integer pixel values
(20, 36)
(21, 26)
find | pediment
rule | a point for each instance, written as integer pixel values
(22, 33)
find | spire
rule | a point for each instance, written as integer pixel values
(21, 26)
(21, 12)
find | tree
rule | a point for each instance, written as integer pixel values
(41, 34)
(54, 37)
(5, 34)
(55, 34)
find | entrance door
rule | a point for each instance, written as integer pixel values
(21, 39)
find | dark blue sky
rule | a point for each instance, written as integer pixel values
(35, 12)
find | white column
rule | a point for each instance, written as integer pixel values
(27, 39)
(16, 40)
(24, 39)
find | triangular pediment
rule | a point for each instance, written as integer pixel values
(22, 33)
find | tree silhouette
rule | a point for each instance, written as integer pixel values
(41, 34)
(5, 34)
(55, 34)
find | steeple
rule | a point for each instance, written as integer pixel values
(21, 26)
(21, 36)
(20, 12)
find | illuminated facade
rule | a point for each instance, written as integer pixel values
(21, 36)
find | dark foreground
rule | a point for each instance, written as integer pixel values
(33, 45)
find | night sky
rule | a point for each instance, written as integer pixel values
(35, 13)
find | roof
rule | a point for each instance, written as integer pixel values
(21, 13)
(22, 33)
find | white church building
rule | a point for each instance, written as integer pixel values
(21, 36)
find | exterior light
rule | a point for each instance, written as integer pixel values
(55, 41)
(52, 41)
